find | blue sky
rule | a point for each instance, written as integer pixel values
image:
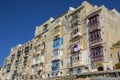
(19, 18)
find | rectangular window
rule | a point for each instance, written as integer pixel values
(42, 55)
(43, 45)
(12, 57)
(23, 69)
(33, 69)
(18, 53)
(30, 46)
(37, 49)
(55, 54)
(31, 77)
(35, 59)
(15, 73)
(26, 49)
(75, 57)
(17, 62)
(25, 59)
(119, 56)
(62, 63)
(75, 30)
(8, 67)
(45, 27)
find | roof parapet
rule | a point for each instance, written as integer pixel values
(115, 11)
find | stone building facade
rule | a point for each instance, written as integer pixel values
(76, 42)
(0, 73)
(103, 31)
(115, 54)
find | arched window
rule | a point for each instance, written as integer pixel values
(100, 68)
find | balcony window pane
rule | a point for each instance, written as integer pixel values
(56, 65)
(94, 21)
(97, 53)
(57, 43)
